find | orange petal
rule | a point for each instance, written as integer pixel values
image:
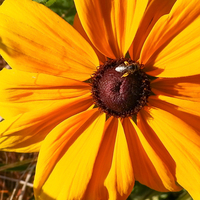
(154, 10)
(26, 131)
(181, 140)
(113, 176)
(111, 25)
(188, 111)
(172, 48)
(183, 88)
(42, 42)
(96, 188)
(181, 93)
(120, 179)
(190, 107)
(67, 157)
(78, 26)
(23, 91)
(153, 166)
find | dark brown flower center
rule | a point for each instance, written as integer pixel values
(120, 88)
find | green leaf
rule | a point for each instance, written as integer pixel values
(49, 3)
(41, 1)
(65, 8)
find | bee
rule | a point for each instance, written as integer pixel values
(127, 68)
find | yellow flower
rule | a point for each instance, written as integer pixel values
(147, 125)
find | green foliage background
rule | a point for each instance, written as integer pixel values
(66, 9)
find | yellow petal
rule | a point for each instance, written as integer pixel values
(23, 91)
(35, 39)
(182, 142)
(67, 157)
(153, 166)
(188, 111)
(154, 10)
(26, 131)
(111, 25)
(78, 26)
(120, 179)
(96, 188)
(112, 176)
(172, 48)
(181, 105)
(183, 88)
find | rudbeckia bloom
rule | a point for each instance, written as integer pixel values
(113, 100)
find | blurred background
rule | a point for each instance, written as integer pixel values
(17, 169)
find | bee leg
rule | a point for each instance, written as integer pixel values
(126, 63)
(125, 75)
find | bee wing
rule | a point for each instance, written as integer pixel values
(120, 68)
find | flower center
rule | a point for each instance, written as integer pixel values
(120, 88)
